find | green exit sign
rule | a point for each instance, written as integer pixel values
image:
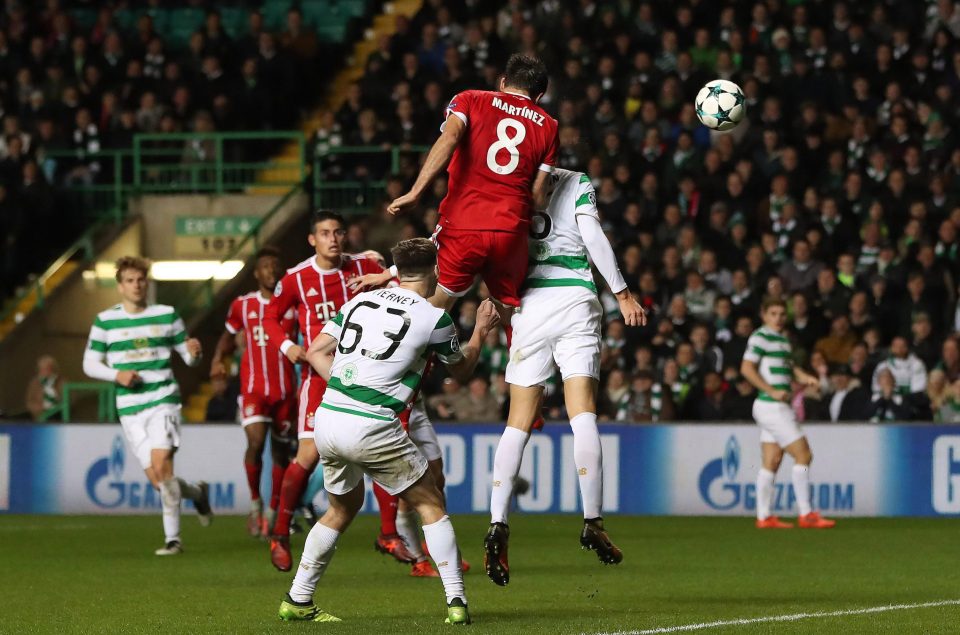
(216, 225)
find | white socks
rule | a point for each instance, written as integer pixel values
(442, 543)
(588, 457)
(765, 480)
(407, 529)
(170, 503)
(318, 550)
(189, 491)
(506, 466)
(801, 488)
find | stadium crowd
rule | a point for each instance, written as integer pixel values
(839, 193)
(68, 91)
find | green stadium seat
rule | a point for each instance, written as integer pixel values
(161, 19)
(126, 20)
(335, 33)
(275, 13)
(235, 21)
(186, 19)
(84, 18)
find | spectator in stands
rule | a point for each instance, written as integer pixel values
(848, 400)
(838, 344)
(222, 406)
(908, 372)
(888, 404)
(45, 390)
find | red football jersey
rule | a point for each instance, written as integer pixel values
(264, 370)
(508, 139)
(316, 294)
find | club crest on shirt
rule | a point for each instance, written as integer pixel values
(141, 342)
(592, 197)
(349, 374)
(277, 290)
(455, 344)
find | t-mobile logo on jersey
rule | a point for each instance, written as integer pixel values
(946, 474)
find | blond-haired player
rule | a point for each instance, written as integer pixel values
(132, 344)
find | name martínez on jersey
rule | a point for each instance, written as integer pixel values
(517, 111)
(390, 296)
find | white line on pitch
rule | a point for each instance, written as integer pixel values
(787, 618)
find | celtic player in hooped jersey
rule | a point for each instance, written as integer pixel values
(382, 340)
(132, 344)
(559, 322)
(767, 365)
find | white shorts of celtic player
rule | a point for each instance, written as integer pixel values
(777, 421)
(351, 446)
(423, 435)
(555, 326)
(152, 429)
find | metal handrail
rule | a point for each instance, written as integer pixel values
(84, 243)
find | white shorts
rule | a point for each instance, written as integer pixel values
(422, 433)
(155, 429)
(351, 446)
(555, 327)
(777, 421)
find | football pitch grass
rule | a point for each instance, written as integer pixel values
(85, 574)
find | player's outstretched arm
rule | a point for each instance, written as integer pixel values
(437, 160)
(806, 378)
(226, 345)
(601, 253)
(320, 354)
(461, 367)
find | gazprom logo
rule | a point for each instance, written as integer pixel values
(731, 459)
(116, 458)
(106, 487)
(727, 494)
(721, 489)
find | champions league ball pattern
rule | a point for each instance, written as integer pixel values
(720, 105)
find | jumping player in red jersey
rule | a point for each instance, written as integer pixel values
(316, 288)
(500, 147)
(268, 386)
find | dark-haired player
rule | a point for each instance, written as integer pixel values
(498, 147)
(768, 367)
(268, 386)
(316, 289)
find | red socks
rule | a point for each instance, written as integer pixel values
(295, 480)
(388, 510)
(253, 479)
(276, 476)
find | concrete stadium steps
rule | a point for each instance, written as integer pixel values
(195, 409)
(29, 302)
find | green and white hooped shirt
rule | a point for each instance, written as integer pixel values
(143, 342)
(772, 354)
(558, 253)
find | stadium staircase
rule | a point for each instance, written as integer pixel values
(383, 24)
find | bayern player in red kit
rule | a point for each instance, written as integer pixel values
(500, 147)
(316, 288)
(268, 386)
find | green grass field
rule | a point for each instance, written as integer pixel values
(97, 575)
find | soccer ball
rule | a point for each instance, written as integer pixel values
(720, 105)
